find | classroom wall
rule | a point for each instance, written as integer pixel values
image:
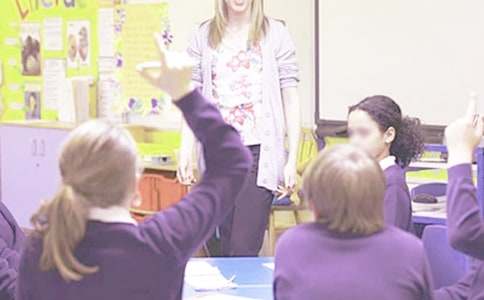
(424, 54)
(299, 16)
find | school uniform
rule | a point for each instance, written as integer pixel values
(11, 243)
(314, 263)
(466, 230)
(147, 261)
(397, 203)
(461, 289)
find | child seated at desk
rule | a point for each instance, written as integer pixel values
(349, 252)
(377, 125)
(11, 243)
(87, 246)
(464, 217)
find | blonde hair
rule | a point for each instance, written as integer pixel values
(258, 23)
(99, 168)
(346, 189)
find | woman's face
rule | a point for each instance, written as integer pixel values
(365, 134)
(238, 6)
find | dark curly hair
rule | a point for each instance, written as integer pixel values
(408, 143)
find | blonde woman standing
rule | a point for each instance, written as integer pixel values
(246, 63)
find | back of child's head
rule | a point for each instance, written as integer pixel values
(99, 168)
(408, 143)
(345, 188)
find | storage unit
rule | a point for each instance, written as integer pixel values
(29, 170)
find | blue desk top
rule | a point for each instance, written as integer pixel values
(253, 279)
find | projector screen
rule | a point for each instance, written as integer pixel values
(428, 55)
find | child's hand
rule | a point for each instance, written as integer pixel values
(464, 135)
(175, 72)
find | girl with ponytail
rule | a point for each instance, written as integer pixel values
(377, 125)
(87, 246)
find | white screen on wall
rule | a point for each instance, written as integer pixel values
(426, 54)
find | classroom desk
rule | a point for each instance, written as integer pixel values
(254, 280)
(429, 218)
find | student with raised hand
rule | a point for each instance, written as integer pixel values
(464, 217)
(87, 246)
(377, 125)
(348, 252)
(11, 243)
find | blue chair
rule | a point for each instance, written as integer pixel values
(446, 264)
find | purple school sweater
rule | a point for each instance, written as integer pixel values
(466, 232)
(461, 289)
(147, 262)
(397, 204)
(11, 243)
(313, 263)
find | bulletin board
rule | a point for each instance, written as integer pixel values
(40, 40)
(17, 84)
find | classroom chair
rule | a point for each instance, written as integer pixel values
(157, 193)
(294, 205)
(446, 264)
(436, 189)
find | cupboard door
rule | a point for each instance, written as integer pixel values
(29, 168)
(19, 172)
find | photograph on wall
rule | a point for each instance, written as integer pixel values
(78, 45)
(32, 102)
(30, 55)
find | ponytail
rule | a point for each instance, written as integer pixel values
(408, 144)
(98, 166)
(62, 224)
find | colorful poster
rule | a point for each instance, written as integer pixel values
(30, 56)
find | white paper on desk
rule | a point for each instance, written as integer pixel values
(269, 265)
(219, 296)
(201, 276)
(53, 34)
(209, 283)
(54, 80)
(199, 268)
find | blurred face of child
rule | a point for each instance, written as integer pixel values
(365, 134)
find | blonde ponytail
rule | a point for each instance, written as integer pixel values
(67, 217)
(98, 165)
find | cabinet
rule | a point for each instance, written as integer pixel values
(29, 171)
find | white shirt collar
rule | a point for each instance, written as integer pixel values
(113, 214)
(387, 162)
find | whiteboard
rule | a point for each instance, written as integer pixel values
(426, 54)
